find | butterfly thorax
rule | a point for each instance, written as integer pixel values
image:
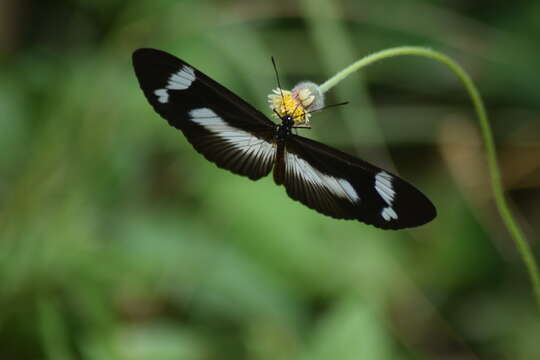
(283, 130)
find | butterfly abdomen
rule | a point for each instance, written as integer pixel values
(279, 167)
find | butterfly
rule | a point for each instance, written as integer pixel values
(235, 136)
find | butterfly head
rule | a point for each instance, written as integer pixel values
(287, 120)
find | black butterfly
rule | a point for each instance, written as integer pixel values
(235, 136)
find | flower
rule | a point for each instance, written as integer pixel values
(298, 103)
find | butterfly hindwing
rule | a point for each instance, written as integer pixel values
(342, 186)
(224, 128)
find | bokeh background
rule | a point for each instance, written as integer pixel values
(119, 241)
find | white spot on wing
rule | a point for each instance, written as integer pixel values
(383, 185)
(300, 168)
(349, 189)
(208, 119)
(180, 80)
(162, 95)
(241, 140)
(388, 213)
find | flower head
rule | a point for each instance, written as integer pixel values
(298, 103)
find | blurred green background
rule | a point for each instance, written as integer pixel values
(119, 241)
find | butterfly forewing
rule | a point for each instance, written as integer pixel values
(220, 125)
(246, 150)
(342, 186)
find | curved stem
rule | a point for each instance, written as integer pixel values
(494, 172)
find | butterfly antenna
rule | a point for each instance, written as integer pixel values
(326, 107)
(294, 111)
(277, 78)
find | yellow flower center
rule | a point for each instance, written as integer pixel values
(284, 102)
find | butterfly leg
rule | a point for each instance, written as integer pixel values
(300, 127)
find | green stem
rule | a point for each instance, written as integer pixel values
(494, 172)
